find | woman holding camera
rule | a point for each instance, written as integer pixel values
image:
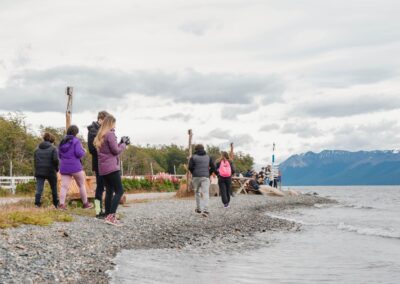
(109, 166)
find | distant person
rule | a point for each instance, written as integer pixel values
(108, 150)
(71, 152)
(201, 166)
(46, 165)
(254, 184)
(214, 188)
(225, 170)
(93, 129)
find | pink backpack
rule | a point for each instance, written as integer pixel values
(225, 169)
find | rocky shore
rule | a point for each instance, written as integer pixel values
(83, 250)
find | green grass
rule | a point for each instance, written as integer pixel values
(24, 213)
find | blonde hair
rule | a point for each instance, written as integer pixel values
(106, 126)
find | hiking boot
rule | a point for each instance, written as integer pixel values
(111, 220)
(87, 205)
(205, 213)
(197, 210)
(62, 207)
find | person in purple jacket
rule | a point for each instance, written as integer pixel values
(108, 150)
(70, 153)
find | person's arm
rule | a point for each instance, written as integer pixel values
(56, 161)
(115, 148)
(233, 170)
(34, 159)
(212, 166)
(191, 165)
(79, 151)
(92, 149)
(217, 167)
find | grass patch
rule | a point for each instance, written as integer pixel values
(24, 213)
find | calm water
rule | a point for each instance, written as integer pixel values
(355, 241)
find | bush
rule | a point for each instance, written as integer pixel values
(28, 188)
(4, 192)
(149, 184)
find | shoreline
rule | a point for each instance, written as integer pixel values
(84, 250)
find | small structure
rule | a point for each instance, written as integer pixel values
(90, 183)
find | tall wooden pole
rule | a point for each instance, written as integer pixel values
(68, 113)
(231, 153)
(188, 174)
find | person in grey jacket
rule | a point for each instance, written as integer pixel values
(201, 166)
(46, 166)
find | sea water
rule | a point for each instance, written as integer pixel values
(354, 241)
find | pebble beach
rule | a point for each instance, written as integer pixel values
(84, 250)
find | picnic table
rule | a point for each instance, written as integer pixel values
(242, 183)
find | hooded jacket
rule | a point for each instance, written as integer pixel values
(201, 165)
(46, 160)
(92, 132)
(109, 154)
(70, 153)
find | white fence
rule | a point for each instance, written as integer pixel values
(11, 183)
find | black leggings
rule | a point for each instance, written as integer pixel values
(99, 188)
(114, 191)
(225, 189)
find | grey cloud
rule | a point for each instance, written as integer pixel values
(365, 136)
(42, 90)
(232, 112)
(345, 78)
(302, 129)
(238, 140)
(177, 116)
(219, 134)
(22, 56)
(199, 27)
(342, 107)
(269, 127)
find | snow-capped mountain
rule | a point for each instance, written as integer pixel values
(336, 167)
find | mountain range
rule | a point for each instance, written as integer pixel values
(335, 167)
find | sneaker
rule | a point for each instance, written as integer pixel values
(226, 205)
(62, 207)
(205, 213)
(197, 210)
(111, 220)
(101, 215)
(87, 205)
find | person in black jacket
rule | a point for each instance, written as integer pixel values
(92, 132)
(46, 166)
(201, 166)
(225, 170)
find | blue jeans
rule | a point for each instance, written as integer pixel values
(201, 186)
(40, 186)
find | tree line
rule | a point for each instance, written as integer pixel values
(18, 143)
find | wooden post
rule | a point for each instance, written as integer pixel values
(231, 153)
(68, 113)
(188, 174)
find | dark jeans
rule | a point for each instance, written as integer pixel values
(40, 186)
(99, 188)
(225, 189)
(114, 191)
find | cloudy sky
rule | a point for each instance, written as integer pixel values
(307, 75)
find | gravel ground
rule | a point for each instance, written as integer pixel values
(82, 251)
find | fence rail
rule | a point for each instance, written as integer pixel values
(11, 183)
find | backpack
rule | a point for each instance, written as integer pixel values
(225, 169)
